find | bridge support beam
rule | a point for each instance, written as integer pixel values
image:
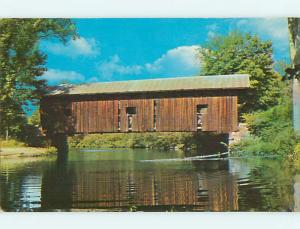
(211, 143)
(60, 142)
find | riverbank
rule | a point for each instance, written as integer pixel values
(8, 152)
(208, 143)
(270, 133)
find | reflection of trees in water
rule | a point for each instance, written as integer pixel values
(269, 187)
(10, 189)
(20, 190)
(57, 187)
(146, 189)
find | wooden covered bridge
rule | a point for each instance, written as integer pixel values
(199, 103)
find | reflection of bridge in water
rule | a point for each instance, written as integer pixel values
(106, 181)
(153, 189)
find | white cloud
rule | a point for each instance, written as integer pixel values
(182, 60)
(74, 48)
(275, 28)
(54, 76)
(212, 30)
(179, 61)
(212, 26)
(114, 66)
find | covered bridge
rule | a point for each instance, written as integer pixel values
(199, 103)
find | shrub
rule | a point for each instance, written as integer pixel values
(296, 154)
(32, 136)
(51, 150)
(206, 143)
(174, 140)
(297, 148)
(11, 143)
(271, 132)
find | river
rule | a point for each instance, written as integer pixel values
(147, 180)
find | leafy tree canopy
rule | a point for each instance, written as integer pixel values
(22, 64)
(244, 54)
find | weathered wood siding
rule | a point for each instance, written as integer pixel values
(143, 120)
(179, 114)
(95, 116)
(100, 115)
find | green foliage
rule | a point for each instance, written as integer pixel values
(11, 143)
(245, 54)
(51, 150)
(22, 65)
(30, 134)
(297, 148)
(272, 121)
(164, 141)
(271, 132)
(297, 151)
(35, 118)
(202, 142)
(293, 25)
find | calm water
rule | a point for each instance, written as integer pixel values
(141, 180)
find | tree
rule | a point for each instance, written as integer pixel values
(294, 71)
(22, 64)
(294, 31)
(245, 54)
(35, 118)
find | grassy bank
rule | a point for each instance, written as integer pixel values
(164, 141)
(271, 133)
(202, 142)
(14, 148)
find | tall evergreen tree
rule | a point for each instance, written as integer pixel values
(244, 54)
(22, 63)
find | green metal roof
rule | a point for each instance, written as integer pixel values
(237, 81)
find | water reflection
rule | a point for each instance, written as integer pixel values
(121, 181)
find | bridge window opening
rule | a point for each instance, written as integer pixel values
(201, 111)
(130, 111)
(119, 116)
(154, 114)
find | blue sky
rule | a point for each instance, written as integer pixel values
(124, 49)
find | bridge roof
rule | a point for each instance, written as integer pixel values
(215, 82)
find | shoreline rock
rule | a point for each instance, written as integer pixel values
(236, 137)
